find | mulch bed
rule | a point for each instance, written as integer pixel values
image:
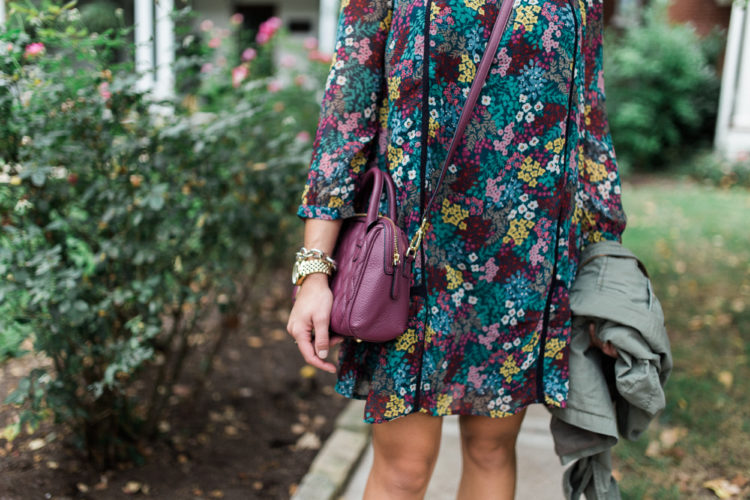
(253, 434)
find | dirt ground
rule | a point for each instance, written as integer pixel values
(253, 435)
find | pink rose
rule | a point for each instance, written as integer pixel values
(207, 25)
(207, 68)
(288, 61)
(311, 43)
(303, 136)
(215, 42)
(267, 29)
(34, 49)
(236, 19)
(274, 86)
(104, 91)
(300, 80)
(249, 54)
(239, 74)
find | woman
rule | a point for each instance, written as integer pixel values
(534, 180)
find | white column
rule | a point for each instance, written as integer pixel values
(2, 11)
(164, 88)
(733, 121)
(144, 40)
(328, 16)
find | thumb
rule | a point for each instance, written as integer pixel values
(321, 337)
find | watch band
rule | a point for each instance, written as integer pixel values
(306, 267)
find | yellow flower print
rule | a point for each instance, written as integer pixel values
(553, 348)
(385, 24)
(429, 334)
(527, 17)
(467, 69)
(454, 277)
(394, 84)
(475, 4)
(394, 407)
(519, 231)
(434, 126)
(383, 112)
(555, 146)
(530, 171)
(443, 404)
(499, 413)
(595, 172)
(395, 155)
(335, 202)
(532, 343)
(407, 341)
(509, 368)
(304, 194)
(359, 160)
(587, 114)
(454, 214)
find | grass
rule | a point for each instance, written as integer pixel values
(695, 242)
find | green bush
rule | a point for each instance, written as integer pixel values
(124, 223)
(715, 169)
(662, 91)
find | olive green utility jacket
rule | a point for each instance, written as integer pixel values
(609, 397)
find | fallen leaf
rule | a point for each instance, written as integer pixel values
(726, 379)
(654, 449)
(53, 465)
(278, 334)
(307, 371)
(182, 459)
(293, 489)
(131, 487)
(308, 441)
(82, 487)
(37, 444)
(230, 430)
(216, 494)
(671, 436)
(722, 488)
(740, 480)
(257, 485)
(255, 342)
(103, 483)
(298, 428)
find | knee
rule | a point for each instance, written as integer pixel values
(404, 474)
(490, 452)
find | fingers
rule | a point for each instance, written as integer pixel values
(606, 347)
(320, 324)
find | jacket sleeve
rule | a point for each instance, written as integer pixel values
(348, 120)
(598, 204)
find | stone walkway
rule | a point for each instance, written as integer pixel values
(539, 470)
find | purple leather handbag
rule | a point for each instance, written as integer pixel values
(371, 286)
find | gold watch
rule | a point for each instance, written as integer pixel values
(303, 268)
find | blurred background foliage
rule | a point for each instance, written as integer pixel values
(126, 222)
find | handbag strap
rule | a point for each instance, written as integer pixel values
(476, 87)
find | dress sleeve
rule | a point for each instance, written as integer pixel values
(348, 120)
(598, 201)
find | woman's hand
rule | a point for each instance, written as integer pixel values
(606, 347)
(309, 320)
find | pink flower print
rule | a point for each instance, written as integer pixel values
(506, 139)
(349, 124)
(475, 378)
(249, 54)
(236, 19)
(326, 164)
(494, 190)
(502, 60)
(493, 333)
(239, 74)
(34, 49)
(490, 270)
(547, 41)
(364, 53)
(215, 42)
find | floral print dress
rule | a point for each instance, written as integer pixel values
(533, 181)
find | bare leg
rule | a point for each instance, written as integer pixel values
(406, 450)
(488, 447)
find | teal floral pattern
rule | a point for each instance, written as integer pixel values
(534, 180)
